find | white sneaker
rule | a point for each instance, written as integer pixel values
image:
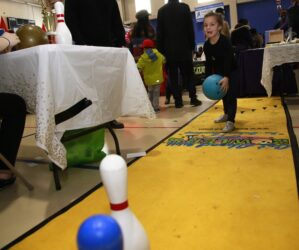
(229, 127)
(222, 118)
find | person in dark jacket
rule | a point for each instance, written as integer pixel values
(175, 40)
(141, 30)
(95, 23)
(282, 23)
(241, 37)
(293, 16)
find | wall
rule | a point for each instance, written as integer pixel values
(20, 10)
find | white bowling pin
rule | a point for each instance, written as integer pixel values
(113, 171)
(63, 34)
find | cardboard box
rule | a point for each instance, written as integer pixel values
(274, 36)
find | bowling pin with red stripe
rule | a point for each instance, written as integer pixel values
(63, 34)
(113, 171)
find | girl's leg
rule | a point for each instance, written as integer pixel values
(230, 99)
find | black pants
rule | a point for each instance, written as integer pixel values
(186, 70)
(230, 99)
(13, 115)
(168, 89)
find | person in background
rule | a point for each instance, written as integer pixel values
(167, 89)
(220, 60)
(197, 54)
(257, 39)
(282, 23)
(175, 40)
(151, 65)
(241, 37)
(12, 118)
(128, 30)
(225, 28)
(141, 30)
(95, 23)
(293, 16)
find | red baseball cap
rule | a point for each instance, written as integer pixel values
(148, 43)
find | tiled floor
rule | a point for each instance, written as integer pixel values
(21, 210)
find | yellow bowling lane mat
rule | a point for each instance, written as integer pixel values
(201, 189)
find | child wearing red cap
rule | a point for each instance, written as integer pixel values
(151, 65)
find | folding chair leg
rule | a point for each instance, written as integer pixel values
(15, 172)
(56, 170)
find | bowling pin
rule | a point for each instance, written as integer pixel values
(113, 171)
(63, 34)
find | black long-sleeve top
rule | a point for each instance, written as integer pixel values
(95, 22)
(293, 16)
(219, 57)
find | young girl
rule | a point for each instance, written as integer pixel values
(220, 60)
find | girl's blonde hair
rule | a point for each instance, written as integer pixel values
(217, 16)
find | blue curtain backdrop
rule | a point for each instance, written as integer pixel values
(262, 15)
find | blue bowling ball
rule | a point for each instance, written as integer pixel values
(211, 87)
(100, 232)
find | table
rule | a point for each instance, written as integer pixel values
(51, 78)
(274, 56)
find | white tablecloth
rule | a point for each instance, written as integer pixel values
(274, 56)
(52, 78)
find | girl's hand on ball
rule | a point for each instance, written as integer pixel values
(224, 83)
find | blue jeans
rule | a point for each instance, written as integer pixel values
(154, 94)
